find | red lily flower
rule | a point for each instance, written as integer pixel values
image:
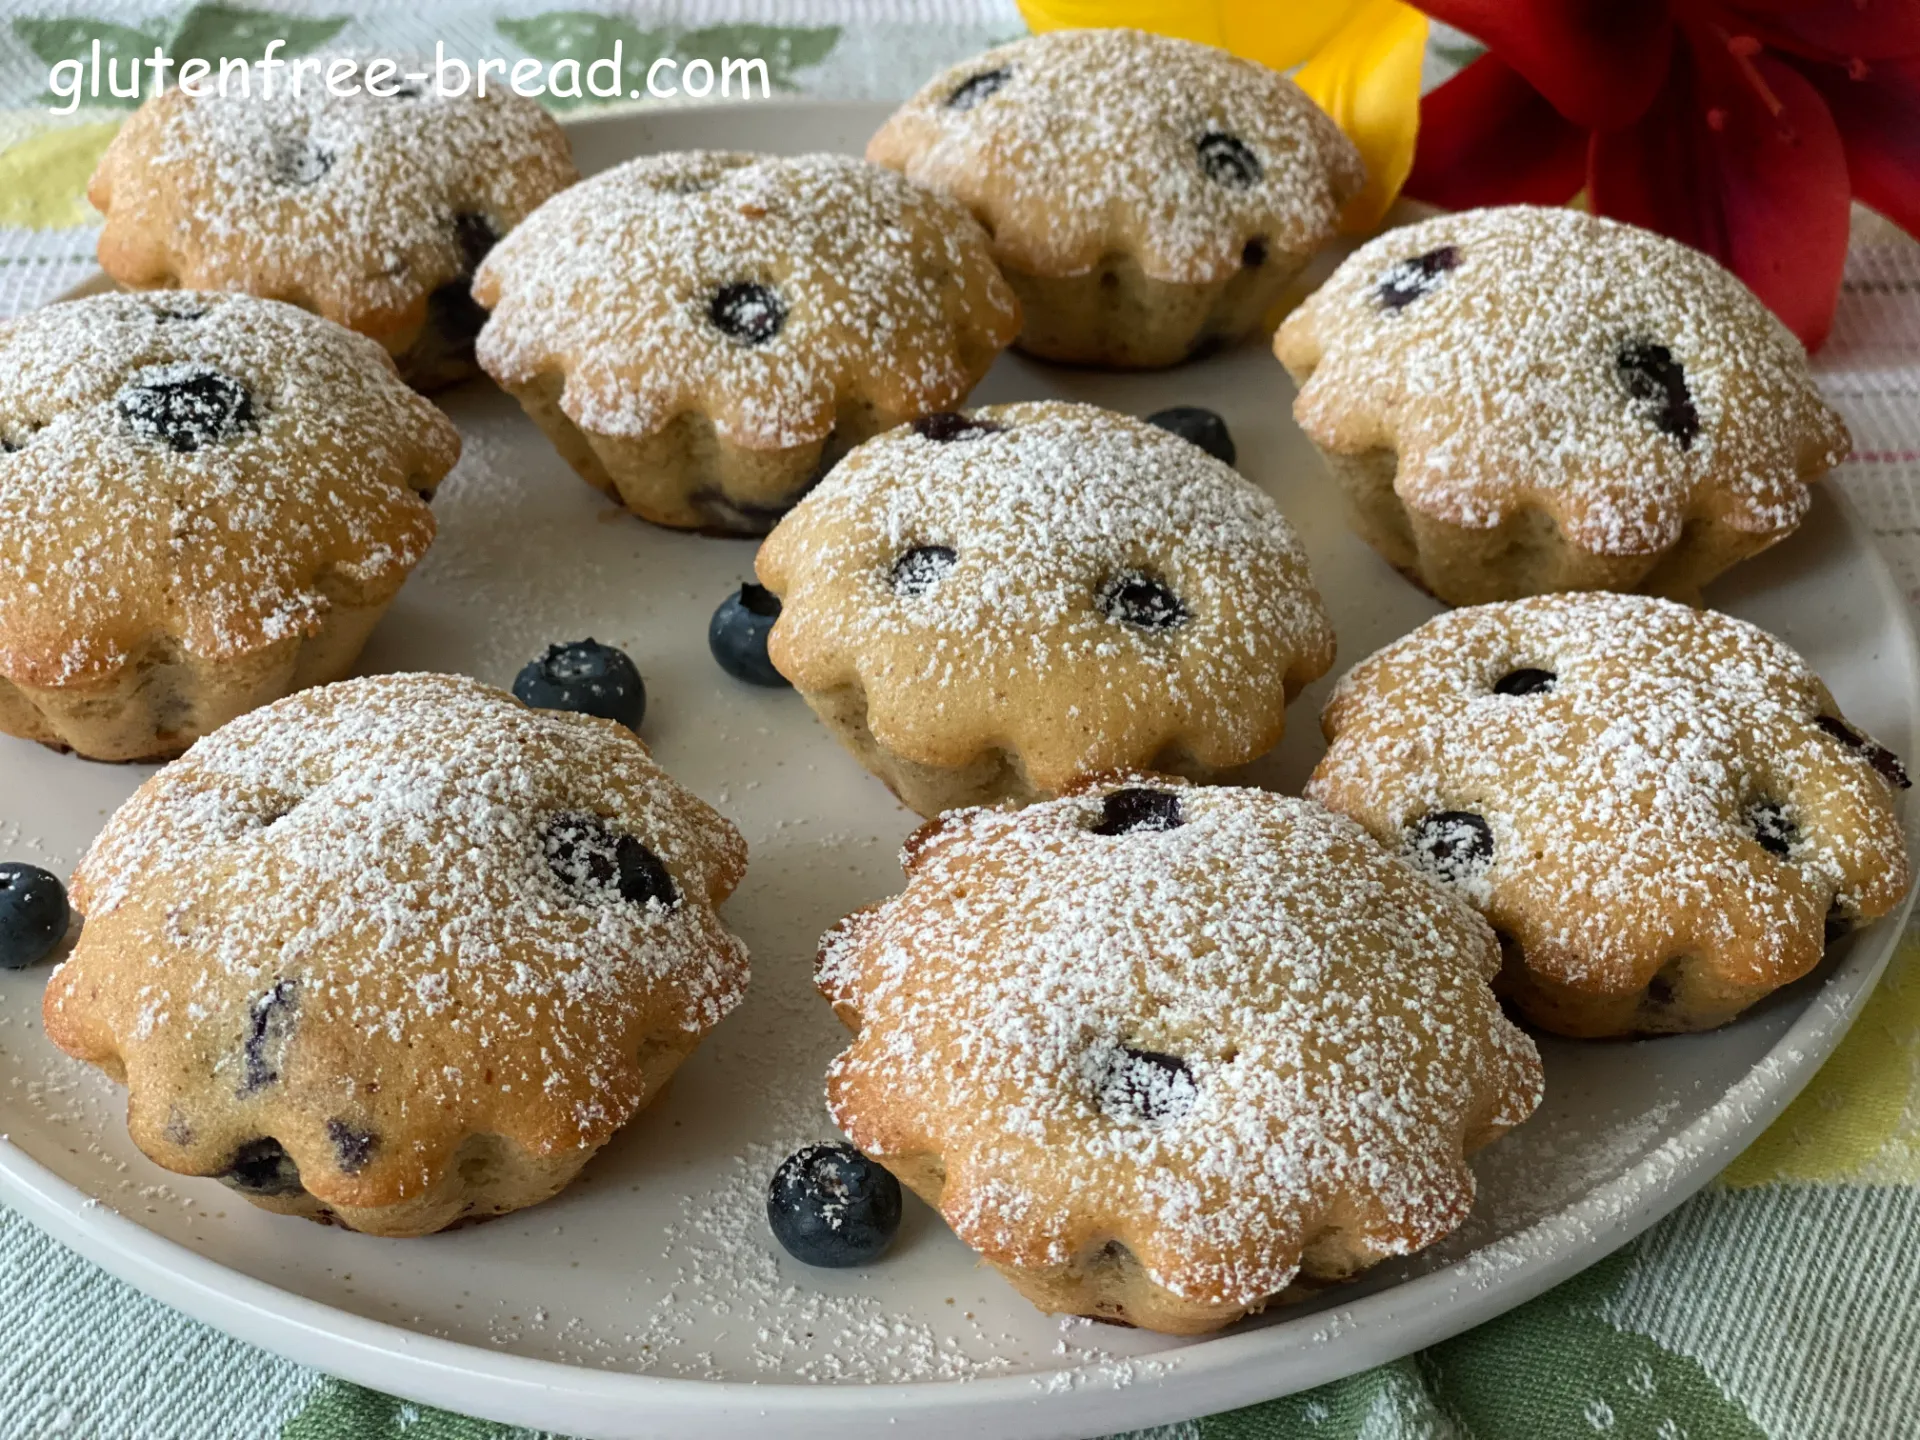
(1743, 127)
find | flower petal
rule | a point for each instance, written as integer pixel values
(1863, 29)
(1489, 138)
(1367, 77)
(1281, 35)
(1738, 157)
(1599, 61)
(1275, 34)
(1879, 118)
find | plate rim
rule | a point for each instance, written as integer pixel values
(1204, 1377)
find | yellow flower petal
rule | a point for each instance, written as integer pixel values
(1280, 33)
(1367, 77)
(43, 180)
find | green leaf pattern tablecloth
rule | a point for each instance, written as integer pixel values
(1780, 1303)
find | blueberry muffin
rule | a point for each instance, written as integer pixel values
(399, 952)
(1161, 1053)
(984, 607)
(1521, 400)
(1661, 810)
(702, 334)
(370, 210)
(1148, 198)
(206, 501)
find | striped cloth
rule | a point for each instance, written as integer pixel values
(1783, 1302)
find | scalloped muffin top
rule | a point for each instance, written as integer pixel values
(1069, 582)
(762, 293)
(212, 470)
(406, 910)
(1618, 780)
(1213, 1024)
(357, 206)
(1078, 145)
(1532, 358)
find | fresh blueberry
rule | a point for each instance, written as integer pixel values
(1200, 425)
(830, 1205)
(33, 915)
(587, 677)
(738, 632)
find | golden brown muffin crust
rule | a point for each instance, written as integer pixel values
(390, 926)
(1662, 809)
(1474, 374)
(1155, 1050)
(1068, 588)
(357, 207)
(208, 499)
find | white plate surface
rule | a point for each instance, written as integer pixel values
(649, 1297)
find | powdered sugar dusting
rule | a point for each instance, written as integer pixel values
(885, 295)
(579, 1280)
(295, 490)
(348, 205)
(1626, 802)
(1092, 143)
(367, 865)
(1329, 1005)
(1502, 379)
(1044, 507)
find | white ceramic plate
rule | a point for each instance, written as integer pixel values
(649, 1299)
